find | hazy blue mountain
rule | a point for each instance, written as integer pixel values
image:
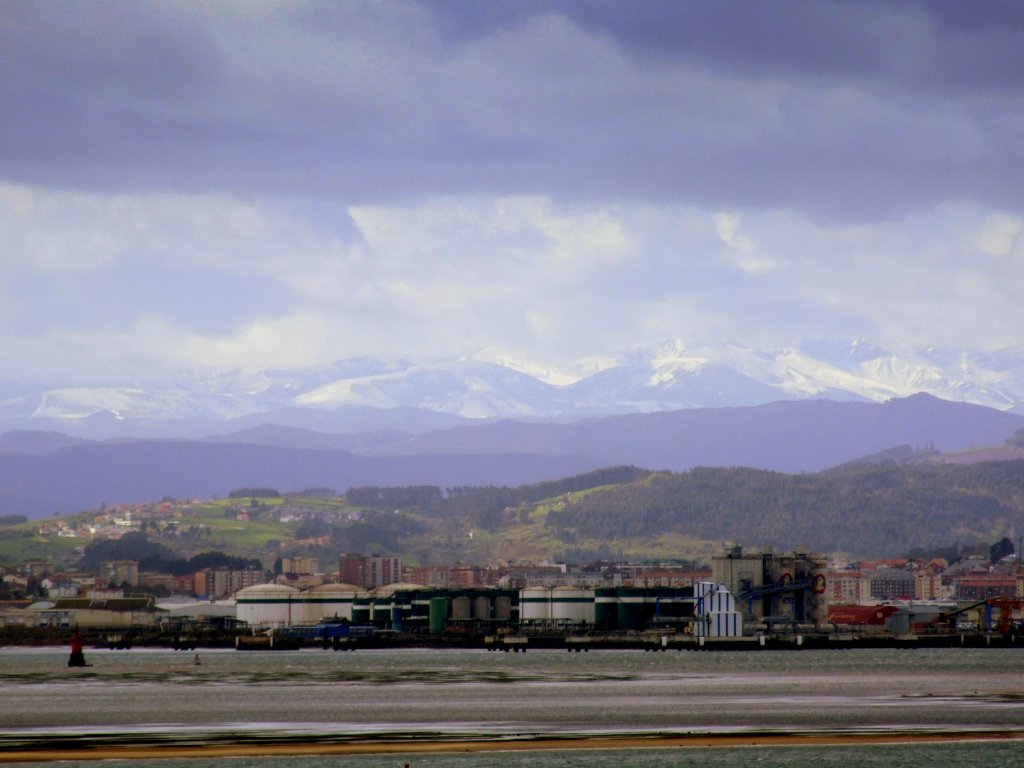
(797, 436)
(789, 436)
(36, 443)
(83, 477)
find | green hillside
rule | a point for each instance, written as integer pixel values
(866, 510)
(616, 513)
(871, 511)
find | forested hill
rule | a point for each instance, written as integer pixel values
(868, 510)
(485, 506)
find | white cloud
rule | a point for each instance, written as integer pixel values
(17, 202)
(298, 340)
(130, 286)
(741, 250)
(491, 238)
(1001, 236)
(55, 232)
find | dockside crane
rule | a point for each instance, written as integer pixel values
(1005, 605)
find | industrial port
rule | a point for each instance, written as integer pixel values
(753, 600)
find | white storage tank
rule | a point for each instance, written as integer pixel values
(572, 604)
(269, 605)
(535, 604)
(329, 601)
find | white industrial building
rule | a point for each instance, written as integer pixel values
(715, 614)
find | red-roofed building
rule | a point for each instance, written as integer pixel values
(985, 586)
(864, 618)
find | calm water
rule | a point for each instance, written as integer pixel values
(153, 696)
(916, 756)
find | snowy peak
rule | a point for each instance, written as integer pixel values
(464, 387)
(667, 375)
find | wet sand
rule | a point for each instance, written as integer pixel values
(754, 739)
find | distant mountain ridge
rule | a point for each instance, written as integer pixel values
(800, 436)
(43, 474)
(365, 394)
(77, 478)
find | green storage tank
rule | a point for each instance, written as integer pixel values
(606, 608)
(361, 610)
(632, 608)
(381, 611)
(438, 615)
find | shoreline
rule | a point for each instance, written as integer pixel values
(429, 746)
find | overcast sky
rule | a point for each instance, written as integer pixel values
(187, 186)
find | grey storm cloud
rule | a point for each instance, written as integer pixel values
(189, 185)
(844, 110)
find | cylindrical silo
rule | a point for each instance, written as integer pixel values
(380, 613)
(329, 601)
(482, 607)
(535, 604)
(817, 609)
(573, 604)
(632, 608)
(438, 615)
(269, 605)
(503, 608)
(462, 608)
(361, 609)
(606, 608)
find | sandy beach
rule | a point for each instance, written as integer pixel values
(760, 740)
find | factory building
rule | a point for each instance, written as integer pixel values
(85, 612)
(775, 589)
(715, 614)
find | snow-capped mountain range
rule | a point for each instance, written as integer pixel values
(363, 393)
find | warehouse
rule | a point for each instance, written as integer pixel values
(775, 589)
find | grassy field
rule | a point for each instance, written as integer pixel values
(214, 525)
(21, 548)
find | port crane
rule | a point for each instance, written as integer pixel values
(1005, 605)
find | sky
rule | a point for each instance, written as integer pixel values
(189, 187)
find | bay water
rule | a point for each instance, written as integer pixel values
(159, 696)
